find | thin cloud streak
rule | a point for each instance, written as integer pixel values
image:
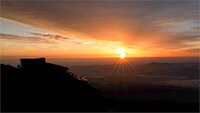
(50, 36)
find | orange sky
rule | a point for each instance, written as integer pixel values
(99, 29)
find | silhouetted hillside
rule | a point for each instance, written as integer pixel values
(40, 86)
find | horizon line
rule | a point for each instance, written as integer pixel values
(100, 57)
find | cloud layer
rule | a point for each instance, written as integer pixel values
(153, 25)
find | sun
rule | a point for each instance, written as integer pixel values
(122, 55)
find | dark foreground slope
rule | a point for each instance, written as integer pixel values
(46, 87)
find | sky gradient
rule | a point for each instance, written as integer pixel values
(90, 29)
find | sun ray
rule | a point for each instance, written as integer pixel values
(114, 67)
(132, 67)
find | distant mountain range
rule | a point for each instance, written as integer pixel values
(149, 87)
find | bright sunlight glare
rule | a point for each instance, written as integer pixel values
(122, 55)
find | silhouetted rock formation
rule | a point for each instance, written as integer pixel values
(40, 86)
